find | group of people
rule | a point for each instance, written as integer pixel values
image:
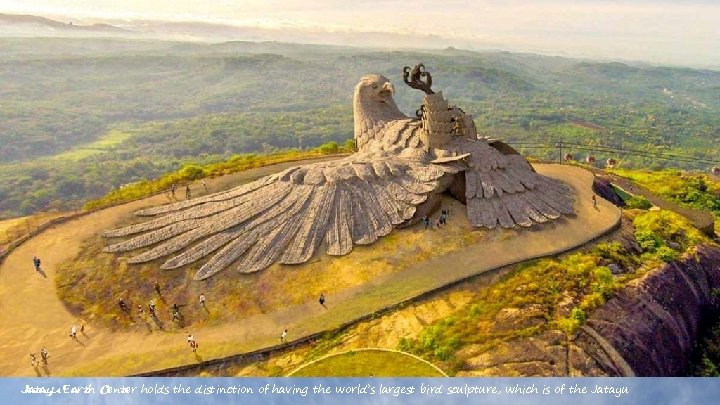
(44, 356)
(36, 263)
(152, 308)
(170, 192)
(440, 221)
(74, 330)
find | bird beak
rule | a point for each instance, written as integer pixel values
(389, 87)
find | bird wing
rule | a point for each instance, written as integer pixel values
(506, 190)
(285, 217)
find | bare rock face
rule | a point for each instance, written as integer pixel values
(602, 187)
(541, 355)
(649, 329)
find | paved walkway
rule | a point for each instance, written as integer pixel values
(31, 315)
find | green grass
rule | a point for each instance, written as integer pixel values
(17, 228)
(694, 190)
(106, 143)
(378, 363)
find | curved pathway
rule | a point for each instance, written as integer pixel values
(32, 316)
(368, 349)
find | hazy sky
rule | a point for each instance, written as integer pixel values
(665, 31)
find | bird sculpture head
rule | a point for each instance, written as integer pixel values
(374, 88)
(373, 107)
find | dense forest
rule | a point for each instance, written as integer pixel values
(81, 117)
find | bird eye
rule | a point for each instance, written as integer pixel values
(375, 86)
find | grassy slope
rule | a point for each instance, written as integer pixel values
(695, 190)
(106, 143)
(16, 228)
(378, 363)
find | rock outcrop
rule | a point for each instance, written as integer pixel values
(603, 188)
(649, 328)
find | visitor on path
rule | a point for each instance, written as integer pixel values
(426, 221)
(202, 300)
(176, 312)
(123, 306)
(594, 201)
(157, 288)
(36, 263)
(140, 311)
(33, 360)
(192, 343)
(151, 308)
(283, 336)
(172, 189)
(187, 192)
(44, 355)
(322, 299)
(82, 326)
(438, 224)
(73, 332)
(204, 185)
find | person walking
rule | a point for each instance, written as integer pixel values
(172, 189)
(123, 306)
(44, 355)
(176, 313)
(140, 311)
(73, 332)
(204, 184)
(202, 300)
(322, 299)
(283, 336)
(151, 308)
(192, 343)
(187, 192)
(36, 263)
(33, 360)
(594, 201)
(157, 288)
(82, 326)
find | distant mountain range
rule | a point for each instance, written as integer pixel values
(13, 25)
(31, 25)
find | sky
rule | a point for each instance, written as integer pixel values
(683, 32)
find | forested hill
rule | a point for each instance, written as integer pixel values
(79, 117)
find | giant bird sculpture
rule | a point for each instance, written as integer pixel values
(396, 177)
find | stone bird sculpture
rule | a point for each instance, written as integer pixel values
(396, 177)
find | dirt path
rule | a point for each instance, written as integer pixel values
(702, 219)
(31, 315)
